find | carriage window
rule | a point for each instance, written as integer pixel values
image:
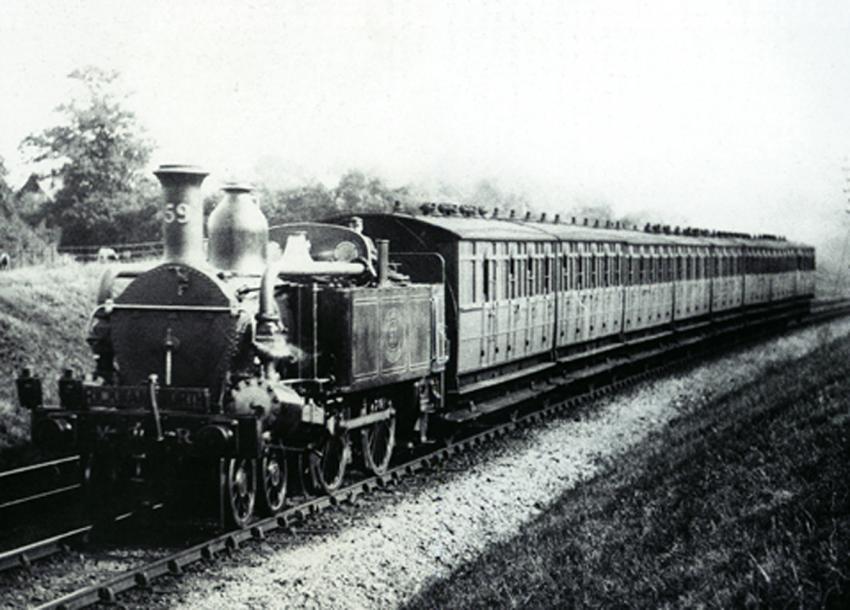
(615, 270)
(579, 272)
(481, 273)
(520, 278)
(467, 284)
(538, 275)
(486, 281)
(565, 272)
(502, 288)
(547, 273)
(591, 265)
(606, 270)
(529, 275)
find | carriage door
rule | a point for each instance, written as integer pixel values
(562, 335)
(489, 308)
(501, 304)
(549, 300)
(518, 313)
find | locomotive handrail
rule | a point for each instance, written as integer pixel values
(197, 308)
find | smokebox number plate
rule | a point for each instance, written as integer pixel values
(138, 397)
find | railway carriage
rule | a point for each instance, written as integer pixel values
(526, 295)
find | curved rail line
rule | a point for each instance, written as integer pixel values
(555, 403)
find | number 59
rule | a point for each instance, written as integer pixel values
(176, 211)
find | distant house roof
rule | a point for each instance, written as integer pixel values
(46, 186)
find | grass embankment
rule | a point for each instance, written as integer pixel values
(44, 313)
(740, 502)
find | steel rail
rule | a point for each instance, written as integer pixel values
(173, 564)
(25, 555)
(71, 459)
(35, 478)
(40, 496)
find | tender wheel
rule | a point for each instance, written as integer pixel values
(273, 482)
(240, 491)
(378, 440)
(328, 462)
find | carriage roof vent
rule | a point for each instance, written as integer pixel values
(543, 217)
(513, 213)
(448, 209)
(557, 219)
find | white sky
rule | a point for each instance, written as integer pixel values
(722, 114)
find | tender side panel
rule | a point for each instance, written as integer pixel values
(376, 336)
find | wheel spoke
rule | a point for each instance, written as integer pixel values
(378, 440)
(241, 491)
(274, 482)
(328, 463)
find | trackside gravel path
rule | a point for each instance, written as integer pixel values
(383, 557)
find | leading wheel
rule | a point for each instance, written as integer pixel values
(328, 462)
(377, 441)
(273, 482)
(240, 491)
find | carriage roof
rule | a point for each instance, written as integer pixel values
(442, 228)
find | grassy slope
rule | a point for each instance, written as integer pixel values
(43, 318)
(743, 502)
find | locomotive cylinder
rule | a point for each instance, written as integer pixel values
(239, 232)
(183, 213)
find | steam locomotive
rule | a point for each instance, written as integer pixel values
(336, 342)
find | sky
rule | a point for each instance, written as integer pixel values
(728, 115)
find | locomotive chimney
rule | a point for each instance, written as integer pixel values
(183, 213)
(239, 232)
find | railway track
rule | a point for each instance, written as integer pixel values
(556, 401)
(28, 485)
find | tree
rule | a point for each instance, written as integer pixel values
(15, 234)
(98, 153)
(5, 192)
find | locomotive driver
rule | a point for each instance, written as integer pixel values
(355, 223)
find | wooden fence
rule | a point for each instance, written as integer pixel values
(27, 257)
(125, 252)
(52, 255)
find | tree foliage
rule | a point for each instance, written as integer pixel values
(355, 193)
(15, 234)
(98, 153)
